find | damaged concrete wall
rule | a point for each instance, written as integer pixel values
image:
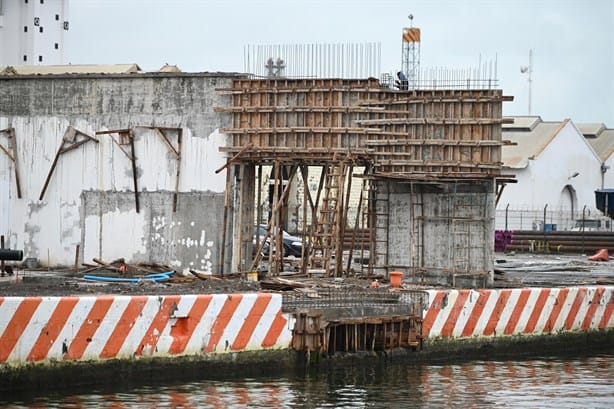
(439, 233)
(90, 197)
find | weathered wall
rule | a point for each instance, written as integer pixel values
(36, 329)
(440, 233)
(528, 311)
(90, 197)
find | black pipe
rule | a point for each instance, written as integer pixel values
(14, 255)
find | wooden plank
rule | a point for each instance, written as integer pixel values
(134, 175)
(234, 158)
(166, 141)
(178, 162)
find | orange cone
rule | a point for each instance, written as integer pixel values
(601, 255)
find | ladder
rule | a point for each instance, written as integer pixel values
(417, 233)
(327, 238)
(379, 209)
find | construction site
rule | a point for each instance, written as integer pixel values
(309, 204)
(429, 165)
(396, 174)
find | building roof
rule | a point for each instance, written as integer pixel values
(70, 69)
(530, 136)
(591, 130)
(526, 123)
(603, 144)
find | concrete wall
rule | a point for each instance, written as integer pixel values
(40, 329)
(442, 233)
(90, 197)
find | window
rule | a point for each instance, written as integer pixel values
(57, 17)
(66, 25)
(25, 57)
(25, 29)
(40, 58)
(37, 21)
(40, 29)
(56, 46)
(42, 1)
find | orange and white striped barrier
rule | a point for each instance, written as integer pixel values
(101, 327)
(528, 311)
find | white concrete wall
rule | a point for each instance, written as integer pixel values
(608, 176)
(50, 229)
(90, 198)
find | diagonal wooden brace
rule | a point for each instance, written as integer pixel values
(70, 141)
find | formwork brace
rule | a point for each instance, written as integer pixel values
(126, 137)
(11, 152)
(70, 141)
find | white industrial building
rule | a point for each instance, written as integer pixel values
(602, 140)
(33, 32)
(557, 172)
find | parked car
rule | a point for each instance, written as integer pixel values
(293, 245)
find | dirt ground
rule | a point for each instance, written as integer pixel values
(511, 271)
(66, 283)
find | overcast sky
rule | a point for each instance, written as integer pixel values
(572, 40)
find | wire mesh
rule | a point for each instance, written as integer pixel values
(326, 299)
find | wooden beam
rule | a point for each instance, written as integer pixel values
(168, 143)
(11, 152)
(234, 158)
(178, 161)
(117, 131)
(134, 175)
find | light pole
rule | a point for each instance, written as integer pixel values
(529, 70)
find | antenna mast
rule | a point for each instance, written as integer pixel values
(529, 70)
(410, 64)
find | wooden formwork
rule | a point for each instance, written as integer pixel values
(421, 135)
(418, 134)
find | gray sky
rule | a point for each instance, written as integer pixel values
(572, 40)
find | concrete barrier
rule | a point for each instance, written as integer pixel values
(529, 311)
(39, 329)
(102, 327)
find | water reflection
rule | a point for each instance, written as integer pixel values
(547, 383)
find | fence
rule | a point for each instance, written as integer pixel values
(551, 219)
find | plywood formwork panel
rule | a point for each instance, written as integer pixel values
(446, 134)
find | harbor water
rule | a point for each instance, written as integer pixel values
(579, 381)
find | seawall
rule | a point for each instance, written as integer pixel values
(44, 334)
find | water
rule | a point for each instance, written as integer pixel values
(557, 382)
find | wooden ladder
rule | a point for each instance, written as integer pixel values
(327, 239)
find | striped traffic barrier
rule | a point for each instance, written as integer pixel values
(102, 327)
(527, 311)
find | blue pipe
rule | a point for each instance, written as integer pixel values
(157, 277)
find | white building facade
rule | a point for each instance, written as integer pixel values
(33, 32)
(557, 173)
